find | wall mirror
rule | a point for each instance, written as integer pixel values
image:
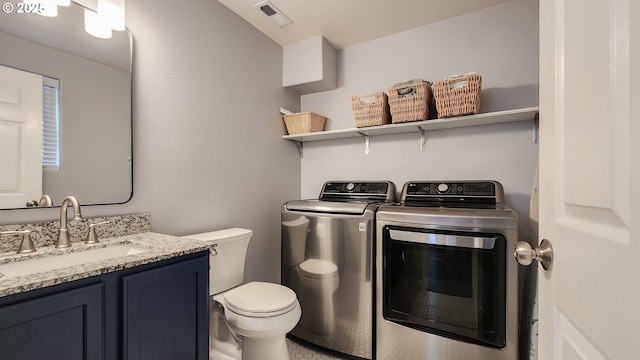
(93, 79)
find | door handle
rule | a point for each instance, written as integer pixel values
(525, 254)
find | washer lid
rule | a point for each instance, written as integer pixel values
(316, 268)
(260, 299)
(331, 207)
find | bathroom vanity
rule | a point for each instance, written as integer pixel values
(151, 303)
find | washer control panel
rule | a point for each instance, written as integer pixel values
(358, 190)
(356, 187)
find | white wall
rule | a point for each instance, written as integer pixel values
(500, 43)
(208, 152)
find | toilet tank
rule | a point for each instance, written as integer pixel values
(227, 267)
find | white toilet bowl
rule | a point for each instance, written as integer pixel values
(261, 314)
(249, 321)
(319, 279)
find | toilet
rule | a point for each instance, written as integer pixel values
(247, 321)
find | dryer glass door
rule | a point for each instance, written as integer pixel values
(447, 283)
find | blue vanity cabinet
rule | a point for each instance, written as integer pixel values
(165, 312)
(154, 311)
(65, 325)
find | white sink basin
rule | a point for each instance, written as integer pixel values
(53, 262)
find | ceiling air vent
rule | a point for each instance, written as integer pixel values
(273, 13)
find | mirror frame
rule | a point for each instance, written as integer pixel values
(129, 36)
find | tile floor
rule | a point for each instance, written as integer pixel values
(301, 351)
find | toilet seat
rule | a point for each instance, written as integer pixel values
(318, 269)
(260, 299)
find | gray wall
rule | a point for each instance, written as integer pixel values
(207, 134)
(208, 152)
(500, 43)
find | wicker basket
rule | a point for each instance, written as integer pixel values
(459, 96)
(370, 110)
(410, 102)
(304, 122)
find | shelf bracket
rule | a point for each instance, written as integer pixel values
(423, 137)
(536, 128)
(300, 145)
(366, 142)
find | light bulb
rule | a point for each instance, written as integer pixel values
(44, 7)
(113, 12)
(96, 25)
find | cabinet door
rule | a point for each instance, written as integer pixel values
(67, 325)
(166, 312)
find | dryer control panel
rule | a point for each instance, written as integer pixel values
(452, 192)
(452, 188)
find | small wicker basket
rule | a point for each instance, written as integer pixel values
(459, 96)
(410, 102)
(304, 122)
(370, 110)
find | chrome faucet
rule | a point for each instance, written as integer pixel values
(63, 240)
(45, 200)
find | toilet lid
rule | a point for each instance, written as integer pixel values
(260, 299)
(318, 269)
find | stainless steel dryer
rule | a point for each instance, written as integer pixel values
(445, 288)
(327, 259)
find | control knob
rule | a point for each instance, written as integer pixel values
(443, 188)
(351, 186)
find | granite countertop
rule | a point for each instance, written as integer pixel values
(157, 247)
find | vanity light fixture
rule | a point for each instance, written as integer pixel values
(100, 16)
(113, 13)
(96, 25)
(109, 15)
(47, 8)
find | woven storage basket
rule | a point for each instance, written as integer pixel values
(304, 122)
(410, 102)
(459, 96)
(370, 110)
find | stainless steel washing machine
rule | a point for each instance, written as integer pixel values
(328, 259)
(445, 288)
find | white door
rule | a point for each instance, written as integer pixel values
(20, 137)
(590, 179)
